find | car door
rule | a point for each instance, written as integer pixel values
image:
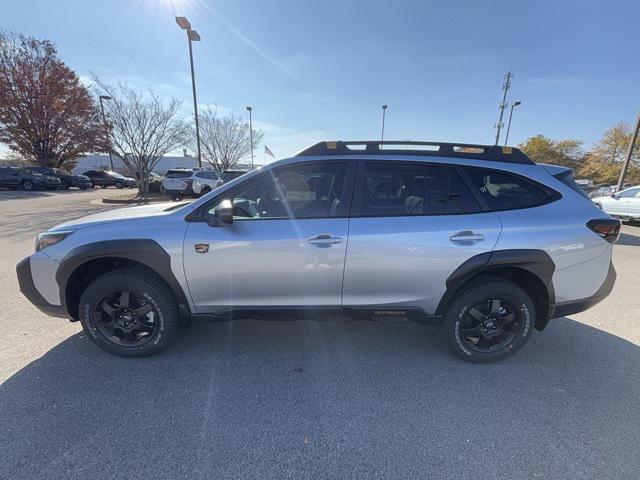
(412, 224)
(626, 202)
(9, 177)
(286, 246)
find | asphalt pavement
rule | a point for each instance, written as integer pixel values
(308, 399)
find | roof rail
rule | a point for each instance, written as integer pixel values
(440, 149)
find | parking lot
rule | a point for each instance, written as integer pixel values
(308, 399)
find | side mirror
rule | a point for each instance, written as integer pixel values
(614, 196)
(224, 213)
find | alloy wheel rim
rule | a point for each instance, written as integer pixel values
(491, 325)
(125, 318)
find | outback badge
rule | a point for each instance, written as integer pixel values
(201, 247)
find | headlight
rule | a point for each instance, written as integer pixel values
(48, 239)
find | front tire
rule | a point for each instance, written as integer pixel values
(129, 312)
(489, 320)
(28, 186)
(119, 185)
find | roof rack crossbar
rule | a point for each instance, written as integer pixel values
(443, 149)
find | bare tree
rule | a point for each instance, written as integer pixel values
(46, 115)
(144, 128)
(224, 141)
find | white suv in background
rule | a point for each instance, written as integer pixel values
(624, 204)
(182, 182)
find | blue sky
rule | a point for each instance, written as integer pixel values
(316, 70)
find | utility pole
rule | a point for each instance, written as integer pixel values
(104, 121)
(250, 109)
(384, 111)
(505, 87)
(627, 159)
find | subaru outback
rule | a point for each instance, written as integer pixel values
(478, 239)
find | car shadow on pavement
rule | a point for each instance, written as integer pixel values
(628, 239)
(305, 399)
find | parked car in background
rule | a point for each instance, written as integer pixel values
(14, 178)
(229, 175)
(155, 182)
(66, 179)
(486, 243)
(624, 204)
(190, 182)
(108, 178)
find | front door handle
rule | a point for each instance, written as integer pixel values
(466, 236)
(324, 239)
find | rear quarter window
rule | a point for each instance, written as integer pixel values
(504, 191)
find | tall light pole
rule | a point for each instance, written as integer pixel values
(104, 121)
(513, 105)
(505, 87)
(192, 36)
(384, 111)
(249, 109)
(627, 159)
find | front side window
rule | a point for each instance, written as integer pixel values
(629, 193)
(502, 191)
(292, 191)
(400, 189)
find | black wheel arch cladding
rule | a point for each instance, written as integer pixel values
(536, 262)
(142, 251)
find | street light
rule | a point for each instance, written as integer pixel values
(104, 120)
(384, 111)
(192, 36)
(249, 109)
(513, 105)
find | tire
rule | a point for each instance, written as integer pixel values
(465, 322)
(27, 185)
(65, 186)
(118, 185)
(205, 190)
(103, 186)
(160, 328)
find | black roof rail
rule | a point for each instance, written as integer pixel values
(441, 149)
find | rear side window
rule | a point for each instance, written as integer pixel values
(400, 189)
(502, 191)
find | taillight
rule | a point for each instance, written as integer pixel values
(607, 228)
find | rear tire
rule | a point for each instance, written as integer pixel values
(27, 185)
(143, 334)
(489, 320)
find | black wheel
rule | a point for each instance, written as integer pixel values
(65, 186)
(27, 185)
(129, 312)
(205, 190)
(489, 320)
(119, 185)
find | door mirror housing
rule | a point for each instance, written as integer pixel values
(223, 214)
(614, 196)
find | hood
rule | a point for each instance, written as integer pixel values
(121, 214)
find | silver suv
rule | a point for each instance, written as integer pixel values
(478, 239)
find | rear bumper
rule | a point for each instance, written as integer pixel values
(173, 192)
(29, 290)
(577, 306)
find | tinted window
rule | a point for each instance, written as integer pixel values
(174, 174)
(502, 191)
(295, 191)
(392, 189)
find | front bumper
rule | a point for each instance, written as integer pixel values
(577, 306)
(29, 290)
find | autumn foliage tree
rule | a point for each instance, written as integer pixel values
(46, 115)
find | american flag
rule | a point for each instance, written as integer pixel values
(269, 152)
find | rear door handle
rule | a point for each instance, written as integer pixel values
(466, 236)
(324, 239)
